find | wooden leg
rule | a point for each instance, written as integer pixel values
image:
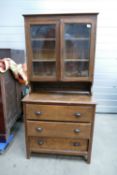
(87, 158)
(28, 154)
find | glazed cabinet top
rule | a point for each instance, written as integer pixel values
(60, 47)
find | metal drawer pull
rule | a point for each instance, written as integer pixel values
(76, 144)
(77, 114)
(38, 112)
(39, 129)
(76, 130)
(40, 142)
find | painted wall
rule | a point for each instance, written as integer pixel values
(105, 80)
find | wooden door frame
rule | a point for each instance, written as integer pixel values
(29, 54)
(80, 19)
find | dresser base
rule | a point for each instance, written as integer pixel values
(59, 124)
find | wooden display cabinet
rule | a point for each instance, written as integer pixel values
(60, 53)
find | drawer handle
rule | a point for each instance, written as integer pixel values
(77, 114)
(77, 130)
(76, 144)
(38, 113)
(40, 142)
(39, 129)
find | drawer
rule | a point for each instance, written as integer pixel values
(58, 129)
(57, 144)
(59, 113)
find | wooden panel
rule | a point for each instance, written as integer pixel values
(59, 129)
(60, 113)
(42, 144)
(10, 96)
(2, 122)
(59, 98)
(11, 107)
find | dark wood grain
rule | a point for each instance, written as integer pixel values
(2, 122)
(10, 95)
(10, 103)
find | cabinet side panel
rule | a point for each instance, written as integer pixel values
(10, 97)
(2, 124)
(92, 48)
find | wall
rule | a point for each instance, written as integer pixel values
(105, 80)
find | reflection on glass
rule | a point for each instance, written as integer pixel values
(44, 68)
(75, 30)
(43, 50)
(43, 31)
(77, 49)
(76, 69)
(43, 41)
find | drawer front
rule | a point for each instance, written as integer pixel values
(59, 113)
(58, 144)
(58, 129)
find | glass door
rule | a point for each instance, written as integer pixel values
(44, 51)
(76, 51)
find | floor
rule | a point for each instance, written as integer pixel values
(104, 155)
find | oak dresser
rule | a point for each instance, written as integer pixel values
(59, 111)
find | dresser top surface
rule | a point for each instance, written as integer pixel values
(60, 98)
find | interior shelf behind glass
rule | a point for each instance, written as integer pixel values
(77, 39)
(44, 68)
(76, 69)
(43, 49)
(76, 60)
(79, 50)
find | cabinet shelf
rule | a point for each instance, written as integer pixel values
(43, 39)
(77, 39)
(44, 60)
(43, 50)
(76, 60)
(66, 60)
